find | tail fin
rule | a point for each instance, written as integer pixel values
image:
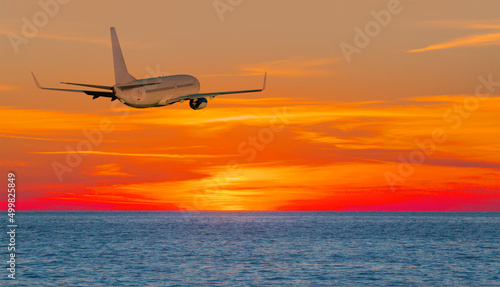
(121, 74)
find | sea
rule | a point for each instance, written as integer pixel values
(135, 248)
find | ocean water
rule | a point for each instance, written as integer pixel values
(255, 249)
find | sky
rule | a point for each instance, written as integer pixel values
(369, 105)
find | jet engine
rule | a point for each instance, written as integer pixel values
(198, 104)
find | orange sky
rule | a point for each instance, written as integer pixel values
(409, 122)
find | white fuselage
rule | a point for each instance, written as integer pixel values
(156, 92)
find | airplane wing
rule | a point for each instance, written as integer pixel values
(121, 87)
(91, 86)
(133, 86)
(94, 94)
(212, 95)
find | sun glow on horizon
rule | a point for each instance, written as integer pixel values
(411, 123)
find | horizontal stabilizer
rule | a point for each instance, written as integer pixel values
(95, 94)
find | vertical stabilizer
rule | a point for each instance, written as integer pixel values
(121, 74)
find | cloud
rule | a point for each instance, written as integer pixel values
(467, 24)
(294, 67)
(326, 151)
(36, 138)
(268, 186)
(468, 41)
(22, 120)
(418, 200)
(157, 155)
(438, 99)
(111, 169)
(289, 112)
(76, 201)
(321, 138)
(66, 38)
(264, 101)
(476, 40)
(15, 163)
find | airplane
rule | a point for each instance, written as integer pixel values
(151, 92)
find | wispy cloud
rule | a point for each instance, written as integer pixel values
(476, 40)
(111, 169)
(321, 138)
(67, 38)
(36, 138)
(265, 101)
(21, 121)
(466, 24)
(14, 163)
(468, 41)
(437, 99)
(294, 67)
(157, 155)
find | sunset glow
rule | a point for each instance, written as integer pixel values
(412, 123)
